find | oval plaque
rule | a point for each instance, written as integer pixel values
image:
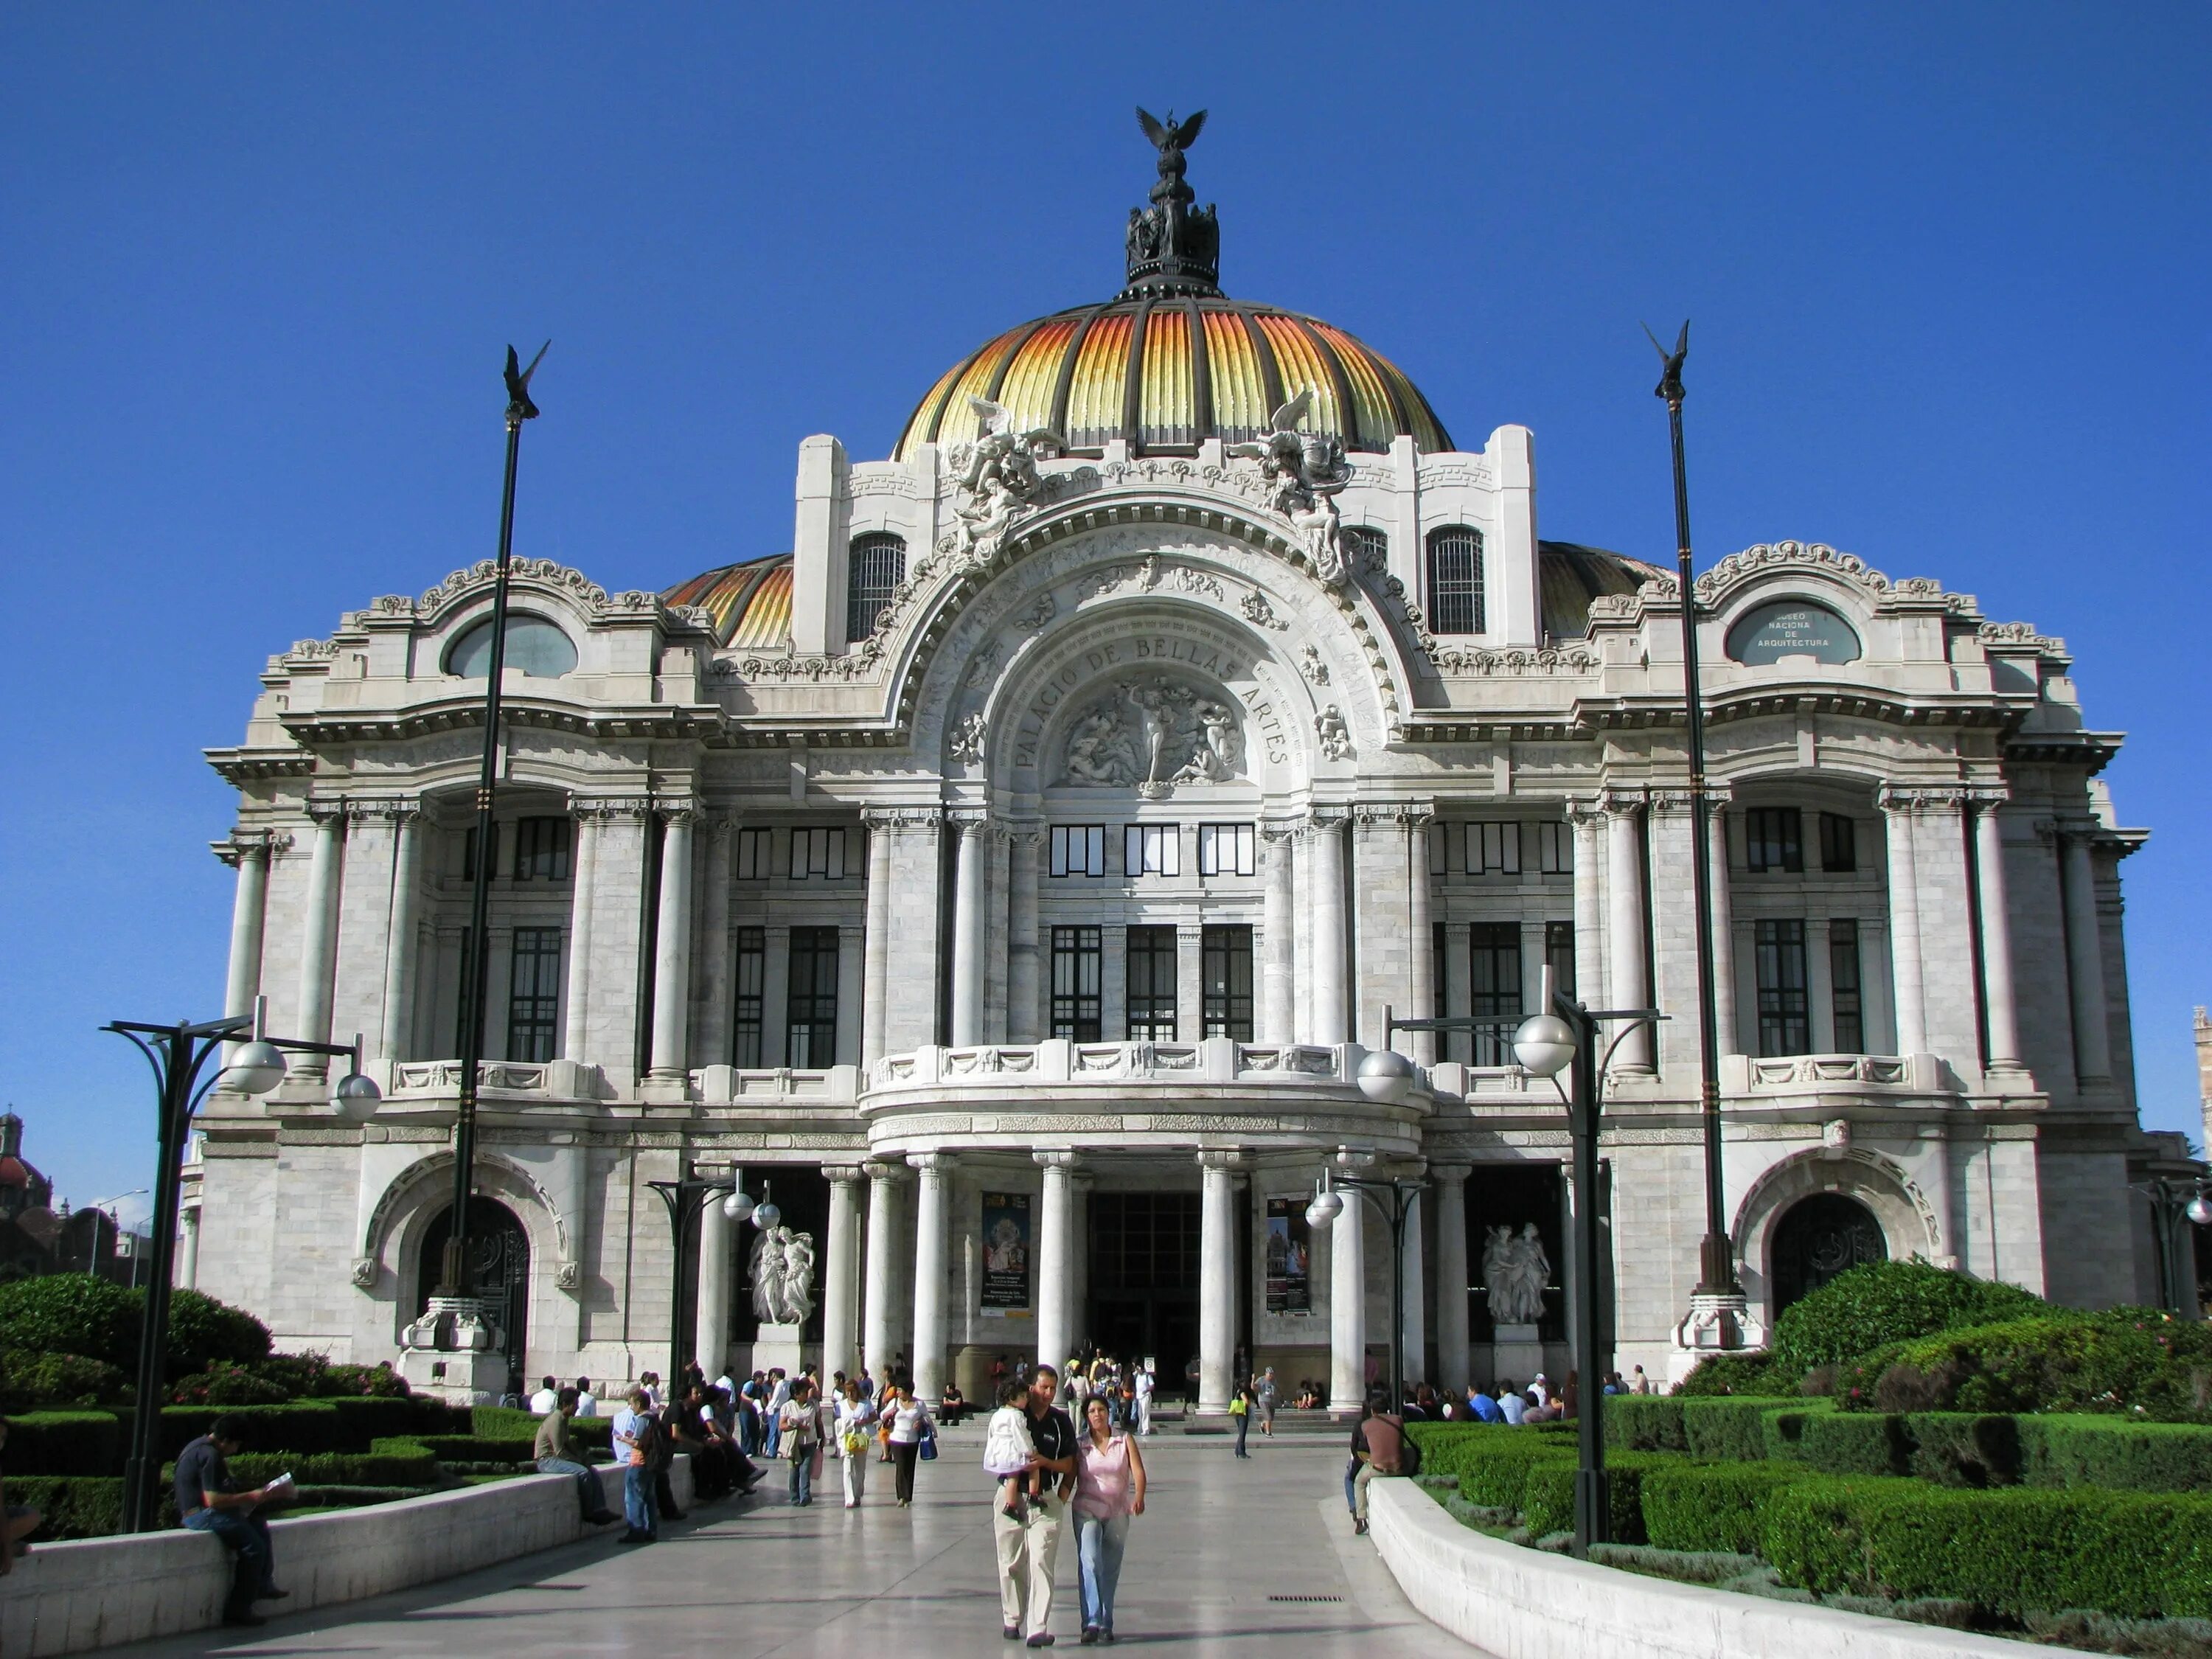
(1792, 628)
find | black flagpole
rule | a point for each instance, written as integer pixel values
(1716, 1260)
(476, 976)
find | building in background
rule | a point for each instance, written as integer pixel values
(1012, 878)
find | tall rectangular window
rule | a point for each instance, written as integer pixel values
(533, 996)
(1151, 976)
(1555, 849)
(752, 984)
(1226, 849)
(753, 851)
(1494, 988)
(1152, 849)
(811, 1019)
(1838, 844)
(1843, 983)
(1456, 580)
(1774, 841)
(1225, 967)
(541, 849)
(875, 565)
(1442, 835)
(1559, 956)
(818, 853)
(1493, 849)
(1784, 1025)
(469, 852)
(1078, 849)
(1076, 978)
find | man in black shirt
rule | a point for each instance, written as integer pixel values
(208, 1502)
(1028, 1546)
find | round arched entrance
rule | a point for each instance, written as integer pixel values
(1818, 1237)
(498, 1268)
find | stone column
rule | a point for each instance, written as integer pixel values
(1413, 1332)
(711, 1322)
(841, 1280)
(876, 964)
(1909, 999)
(671, 963)
(932, 1212)
(1217, 1278)
(1997, 996)
(1625, 984)
(188, 1253)
(319, 936)
(402, 953)
(1450, 1193)
(879, 1303)
(1331, 1015)
(1190, 982)
(713, 995)
(1347, 1304)
(1589, 905)
(2085, 961)
(1724, 1004)
(969, 919)
(575, 1040)
(248, 910)
(1278, 939)
(1420, 1046)
(1025, 947)
(1055, 1279)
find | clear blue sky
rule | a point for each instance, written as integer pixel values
(1947, 263)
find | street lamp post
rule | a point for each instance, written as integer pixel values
(686, 1199)
(1394, 1200)
(2172, 1203)
(179, 1055)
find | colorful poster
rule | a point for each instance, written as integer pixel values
(1006, 1252)
(1289, 1257)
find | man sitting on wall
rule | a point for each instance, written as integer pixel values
(208, 1502)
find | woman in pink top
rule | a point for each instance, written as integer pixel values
(1109, 1488)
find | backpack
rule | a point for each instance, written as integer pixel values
(1409, 1454)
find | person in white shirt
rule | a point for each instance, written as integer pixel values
(779, 1395)
(547, 1399)
(1541, 1390)
(1143, 1400)
(856, 1439)
(587, 1404)
(1510, 1404)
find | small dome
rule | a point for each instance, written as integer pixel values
(750, 603)
(1571, 575)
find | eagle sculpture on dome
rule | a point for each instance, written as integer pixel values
(1169, 139)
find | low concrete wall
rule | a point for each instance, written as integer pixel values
(1520, 1603)
(99, 1592)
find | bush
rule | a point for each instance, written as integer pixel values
(226, 1385)
(78, 1507)
(303, 1427)
(1960, 1448)
(1886, 1302)
(2010, 1552)
(1497, 1475)
(508, 1423)
(2058, 1451)
(313, 1376)
(1857, 1443)
(375, 1417)
(1710, 1506)
(65, 1444)
(1548, 1496)
(396, 1462)
(72, 1313)
(480, 1448)
(1645, 1422)
(56, 1382)
(2058, 1363)
(203, 1330)
(1737, 1374)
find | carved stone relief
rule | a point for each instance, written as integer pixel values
(1151, 734)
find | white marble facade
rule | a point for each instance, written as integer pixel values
(1147, 643)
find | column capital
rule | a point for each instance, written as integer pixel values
(1281, 831)
(938, 1164)
(1068, 1161)
(1324, 821)
(1620, 802)
(1900, 799)
(633, 809)
(1221, 1158)
(391, 808)
(969, 820)
(840, 1174)
(886, 1174)
(1026, 833)
(325, 811)
(685, 813)
(1450, 1175)
(1987, 797)
(895, 818)
(245, 845)
(1584, 811)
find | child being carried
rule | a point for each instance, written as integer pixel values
(1009, 1454)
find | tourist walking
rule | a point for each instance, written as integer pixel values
(856, 1423)
(633, 1433)
(1145, 1386)
(1029, 1544)
(557, 1454)
(908, 1428)
(1109, 1488)
(798, 1424)
(1240, 1413)
(1267, 1394)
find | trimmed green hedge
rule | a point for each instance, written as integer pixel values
(1547, 1495)
(1736, 1428)
(2063, 1450)
(2010, 1552)
(302, 1426)
(388, 1463)
(75, 1507)
(477, 1448)
(2124, 1359)
(66, 1442)
(1710, 1506)
(505, 1422)
(1858, 1311)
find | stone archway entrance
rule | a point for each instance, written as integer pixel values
(1818, 1237)
(1144, 1281)
(498, 1269)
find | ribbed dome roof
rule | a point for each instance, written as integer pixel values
(1167, 371)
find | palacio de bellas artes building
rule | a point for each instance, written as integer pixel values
(1009, 882)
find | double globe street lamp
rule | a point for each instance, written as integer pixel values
(179, 1055)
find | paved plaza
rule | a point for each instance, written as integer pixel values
(1229, 1557)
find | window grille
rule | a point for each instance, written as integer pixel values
(1493, 849)
(751, 982)
(874, 568)
(811, 1017)
(1784, 1025)
(1365, 545)
(1774, 841)
(1152, 982)
(541, 849)
(1078, 849)
(1152, 849)
(1494, 986)
(1076, 980)
(1225, 976)
(1456, 580)
(1227, 849)
(533, 999)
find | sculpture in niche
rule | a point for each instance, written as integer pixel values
(997, 475)
(1311, 666)
(1336, 736)
(783, 1276)
(1152, 734)
(1514, 1270)
(968, 738)
(1305, 473)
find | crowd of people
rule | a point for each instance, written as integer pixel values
(1504, 1402)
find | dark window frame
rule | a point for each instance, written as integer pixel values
(1785, 1003)
(810, 1019)
(1774, 841)
(875, 565)
(1455, 599)
(1838, 844)
(1846, 986)
(750, 978)
(1148, 981)
(1225, 969)
(542, 848)
(533, 996)
(1079, 972)
(1493, 986)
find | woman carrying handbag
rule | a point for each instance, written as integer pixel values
(800, 1421)
(913, 1438)
(856, 1423)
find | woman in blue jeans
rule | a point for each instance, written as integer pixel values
(1109, 1489)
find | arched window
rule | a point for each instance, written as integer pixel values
(875, 565)
(1367, 546)
(1816, 1239)
(534, 646)
(1456, 580)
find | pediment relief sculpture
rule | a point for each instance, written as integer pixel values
(1150, 735)
(998, 479)
(1305, 473)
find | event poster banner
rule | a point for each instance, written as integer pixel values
(1006, 1252)
(1289, 1257)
